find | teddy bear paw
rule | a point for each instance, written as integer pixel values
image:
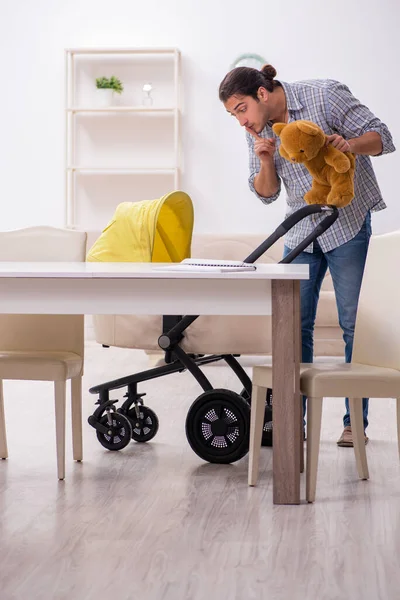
(311, 198)
(340, 200)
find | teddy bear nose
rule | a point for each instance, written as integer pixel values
(293, 159)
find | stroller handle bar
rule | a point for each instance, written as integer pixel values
(175, 334)
(288, 223)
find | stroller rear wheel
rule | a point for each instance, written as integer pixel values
(267, 428)
(218, 425)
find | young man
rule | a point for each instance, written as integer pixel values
(258, 101)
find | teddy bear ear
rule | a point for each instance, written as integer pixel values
(308, 127)
(277, 128)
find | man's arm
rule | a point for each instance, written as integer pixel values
(265, 183)
(359, 130)
(369, 143)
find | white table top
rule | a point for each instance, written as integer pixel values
(74, 270)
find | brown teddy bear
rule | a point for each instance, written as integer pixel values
(332, 170)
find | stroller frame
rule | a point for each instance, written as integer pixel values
(220, 414)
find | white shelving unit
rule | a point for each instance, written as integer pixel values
(126, 151)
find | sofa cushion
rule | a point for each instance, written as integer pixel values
(207, 335)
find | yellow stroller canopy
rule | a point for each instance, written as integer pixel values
(148, 231)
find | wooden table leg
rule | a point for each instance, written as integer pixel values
(285, 383)
(297, 316)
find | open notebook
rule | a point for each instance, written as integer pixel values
(210, 265)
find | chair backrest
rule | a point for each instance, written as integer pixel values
(42, 332)
(377, 332)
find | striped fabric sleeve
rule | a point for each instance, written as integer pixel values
(254, 167)
(351, 119)
(268, 199)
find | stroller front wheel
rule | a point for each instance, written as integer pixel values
(218, 425)
(145, 427)
(119, 433)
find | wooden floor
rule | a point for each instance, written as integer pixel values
(154, 522)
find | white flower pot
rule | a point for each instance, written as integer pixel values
(104, 97)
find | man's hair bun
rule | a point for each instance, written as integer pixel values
(268, 71)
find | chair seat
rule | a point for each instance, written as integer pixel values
(41, 365)
(339, 379)
(349, 379)
(262, 376)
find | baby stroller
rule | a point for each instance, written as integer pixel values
(218, 421)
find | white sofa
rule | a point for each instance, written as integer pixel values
(223, 334)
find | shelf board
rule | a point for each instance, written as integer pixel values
(137, 171)
(116, 109)
(122, 50)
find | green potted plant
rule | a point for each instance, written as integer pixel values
(106, 88)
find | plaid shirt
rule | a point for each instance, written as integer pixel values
(331, 105)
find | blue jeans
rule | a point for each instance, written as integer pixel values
(346, 265)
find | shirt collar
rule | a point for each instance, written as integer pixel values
(293, 103)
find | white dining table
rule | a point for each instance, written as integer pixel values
(144, 288)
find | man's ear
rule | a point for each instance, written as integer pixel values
(262, 93)
(278, 127)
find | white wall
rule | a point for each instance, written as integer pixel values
(354, 41)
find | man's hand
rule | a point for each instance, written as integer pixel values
(338, 142)
(369, 144)
(264, 148)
